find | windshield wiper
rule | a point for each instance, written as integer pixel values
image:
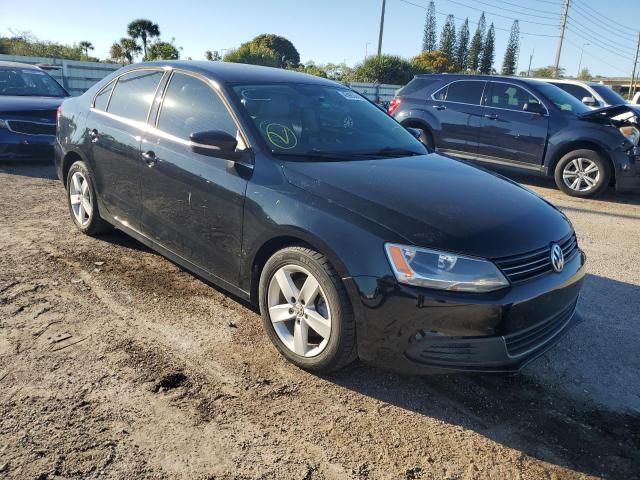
(316, 154)
(389, 152)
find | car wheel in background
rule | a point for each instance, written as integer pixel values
(306, 311)
(426, 138)
(582, 173)
(83, 205)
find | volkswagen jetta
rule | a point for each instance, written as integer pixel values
(297, 194)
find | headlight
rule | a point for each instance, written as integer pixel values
(631, 133)
(443, 271)
(3, 123)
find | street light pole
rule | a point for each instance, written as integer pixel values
(581, 52)
(381, 28)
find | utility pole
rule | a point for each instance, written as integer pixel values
(381, 28)
(632, 85)
(530, 60)
(581, 53)
(563, 24)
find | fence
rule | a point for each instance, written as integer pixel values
(75, 76)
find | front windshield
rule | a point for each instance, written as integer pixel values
(28, 82)
(307, 120)
(608, 95)
(561, 99)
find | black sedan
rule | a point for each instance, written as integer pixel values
(29, 98)
(297, 194)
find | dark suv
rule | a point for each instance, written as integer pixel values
(527, 124)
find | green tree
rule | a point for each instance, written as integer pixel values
(475, 49)
(510, 62)
(448, 38)
(430, 29)
(144, 30)
(163, 51)
(212, 55)
(86, 46)
(585, 74)
(488, 51)
(124, 51)
(311, 68)
(340, 72)
(26, 44)
(432, 62)
(254, 55)
(287, 54)
(384, 69)
(462, 47)
(546, 72)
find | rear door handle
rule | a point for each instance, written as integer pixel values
(93, 135)
(149, 158)
(491, 116)
(439, 107)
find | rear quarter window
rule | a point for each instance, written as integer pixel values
(418, 87)
(133, 94)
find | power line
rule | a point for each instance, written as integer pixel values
(597, 58)
(607, 48)
(463, 19)
(615, 22)
(546, 17)
(603, 25)
(499, 15)
(597, 36)
(526, 8)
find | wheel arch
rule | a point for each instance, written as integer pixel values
(69, 159)
(569, 147)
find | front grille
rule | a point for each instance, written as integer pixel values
(528, 265)
(534, 337)
(32, 128)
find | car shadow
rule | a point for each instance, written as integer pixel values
(543, 411)
(29, 168)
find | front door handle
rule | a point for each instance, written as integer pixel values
(439, 107)
(93, 135)
(491, 116)
(149, 158)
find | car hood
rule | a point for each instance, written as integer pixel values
(437, 202)
(611, 111)
(20, 105)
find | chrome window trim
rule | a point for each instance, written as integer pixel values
(462, 103)
(512, 110)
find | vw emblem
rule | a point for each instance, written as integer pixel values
(557, 257)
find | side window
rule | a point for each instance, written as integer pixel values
(441, 94)
(103, 97)
(508, 96)
(465, 92)
(191, 106)
(575, 90)
(418, 87)
(133, 94)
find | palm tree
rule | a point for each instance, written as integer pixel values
(125, 50)
(143, 29)
(85, 46)
(117, 53)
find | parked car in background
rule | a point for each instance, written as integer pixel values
(299, 195)
(29, 99)
(592, 94)
(526, 124)
(636, 98)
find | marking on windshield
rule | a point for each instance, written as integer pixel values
(281, 136)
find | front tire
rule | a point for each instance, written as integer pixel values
(83, 202)
(306, 311)
(582, 173)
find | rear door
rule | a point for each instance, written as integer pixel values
(193, 203)
(458, 109)
(509, 134)
(115, 126)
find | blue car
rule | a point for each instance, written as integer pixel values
(29, 100)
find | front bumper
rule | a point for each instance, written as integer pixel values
(19, 146)
(628, 171)
(416, 330)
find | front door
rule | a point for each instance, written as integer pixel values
(115, 127)
(509, 133)
(193, 203)
(459, 113)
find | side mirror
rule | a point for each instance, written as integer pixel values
(213, 143)
(416, 132)
(590, 102)
(534, 107)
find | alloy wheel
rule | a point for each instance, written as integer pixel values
(80, 198)
(299, 311)
(581, 174)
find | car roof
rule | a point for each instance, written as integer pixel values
(6, 64)
(227, 72)
(567, 80)
(461, 76)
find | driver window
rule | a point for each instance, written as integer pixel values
(191, 106)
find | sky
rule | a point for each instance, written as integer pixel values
(342, 30)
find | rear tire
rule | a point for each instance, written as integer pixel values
(583, 173)
(83, 201)
(306, 311)
(426, 138)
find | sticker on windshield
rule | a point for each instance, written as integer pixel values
(280, 136)
(351, 95)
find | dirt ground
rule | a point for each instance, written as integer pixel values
(115, 363)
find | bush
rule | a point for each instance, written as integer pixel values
(254, 55)
(432, 62)
(384, 69)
